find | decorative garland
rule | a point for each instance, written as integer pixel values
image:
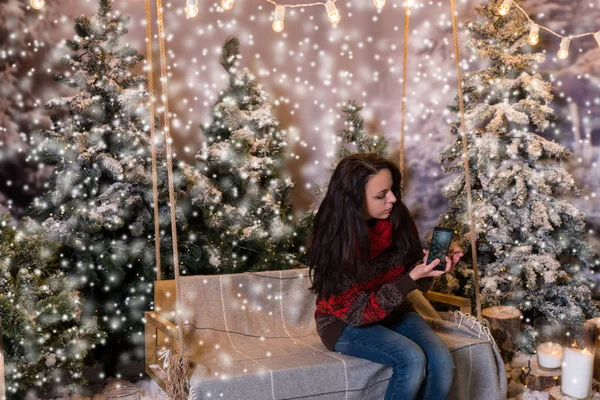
(534, 32)
(191, 9)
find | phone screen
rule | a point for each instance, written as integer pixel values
(440, 246)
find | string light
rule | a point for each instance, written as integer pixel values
(534, 34)
(191, 8)
(505, 7)
(563, 52)
(278, 18)
(332, 12)
(36, 4)
(379, 3)
(227, 4)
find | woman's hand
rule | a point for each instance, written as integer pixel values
(427, 270)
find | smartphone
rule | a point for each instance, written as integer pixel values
(440, 246)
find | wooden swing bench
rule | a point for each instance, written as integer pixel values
(252, 336)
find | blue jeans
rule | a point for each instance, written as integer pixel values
(422, 365)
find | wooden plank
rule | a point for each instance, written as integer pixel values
(158, 375)
(536, 378)
(164, 298)
(150, 343)
(161, 323)
(463, 303)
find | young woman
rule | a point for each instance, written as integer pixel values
(365, 258)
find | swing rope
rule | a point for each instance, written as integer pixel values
(153, 139)
(404, 77)
(472, 231)
(178, 364)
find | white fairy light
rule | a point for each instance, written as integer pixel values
(191, 8)
(332, 12)
(563, 52)
(37, 4)
(379, 3)
(534, 34)
(227, 4)
(505, 7)
(278, 18)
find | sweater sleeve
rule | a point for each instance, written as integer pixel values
(423, 284)
(371, 301)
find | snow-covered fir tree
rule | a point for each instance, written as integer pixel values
(98, 202)
(45, 341)
(243, 155)
(24, 50)
(353, 138)
(531, 244)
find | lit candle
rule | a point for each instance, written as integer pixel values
(549, 355)
(577, 371)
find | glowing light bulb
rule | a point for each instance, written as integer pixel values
(37, 4)
(534, 34)
(191, 8)
(332, 12)
(379, 3)
(563, 52)
(227, 4)
(409, 3)
(597, 37)
(505, 7)
(278, 18)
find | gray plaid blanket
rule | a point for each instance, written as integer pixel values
(252, 336)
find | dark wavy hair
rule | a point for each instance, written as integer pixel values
(340, 238)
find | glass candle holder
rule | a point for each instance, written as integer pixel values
(549, 342)
(127, 392)
(578, 360)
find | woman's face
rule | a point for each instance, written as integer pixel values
(379, 198)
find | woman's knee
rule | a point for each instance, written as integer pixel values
(444, 365)
(415, 362)
(445, 359)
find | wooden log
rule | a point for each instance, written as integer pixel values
(505, 326)
(597, 356)
(536, 378)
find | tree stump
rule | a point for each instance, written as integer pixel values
(597, 356)
(505, 326)
(536, 378)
